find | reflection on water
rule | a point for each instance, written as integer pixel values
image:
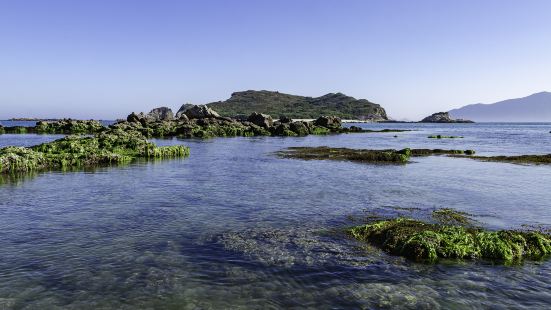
(233, 226)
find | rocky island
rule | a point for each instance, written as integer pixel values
(298, 107)
(443, 117)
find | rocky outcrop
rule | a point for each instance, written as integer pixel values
(443, 117)
(160, 114)
(155, 115)
(183, 108)
(261, 120)
(200, 111)
(328, 122)
(203, 122)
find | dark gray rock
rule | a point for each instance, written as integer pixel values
(200, 111)
(328, 122)
(285, 119)
(262, 120)
(300, 128)
(160, 114)
(133, 118)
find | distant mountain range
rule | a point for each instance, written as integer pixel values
(277, 104)
(534, 108)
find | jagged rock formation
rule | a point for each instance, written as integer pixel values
(200, 111)
(160, 114)
(276, 103)
(443, 117)
(204, 122)
(261, 120)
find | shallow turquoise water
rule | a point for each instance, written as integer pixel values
(233, 226)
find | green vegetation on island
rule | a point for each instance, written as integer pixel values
(298, 107)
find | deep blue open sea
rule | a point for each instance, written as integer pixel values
(235, 227)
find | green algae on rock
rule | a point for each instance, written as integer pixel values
(451, 216)
(363, 155)
(422, 241)
(430, 152)
(69, 126)
(519, 159)
(110, 147)
(64, 126)
(359, 155)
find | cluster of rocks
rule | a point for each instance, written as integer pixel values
(203, 122)
(443, 117)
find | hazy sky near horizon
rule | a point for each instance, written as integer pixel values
(104, 59)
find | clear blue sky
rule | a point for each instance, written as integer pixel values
(104, 59)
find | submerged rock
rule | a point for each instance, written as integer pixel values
(518, 159)
(369, 156)
(363, 155)
(444, 137)
(423, 241)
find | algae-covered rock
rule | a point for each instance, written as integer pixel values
(429, 242)
(328, 122)
(430, 152)
(362, 155)
(519, 159)
(109, 147)
(69, 126)
(327, 153)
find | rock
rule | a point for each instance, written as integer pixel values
(300, 128)
(133, 118)
(182, 117)
(284, 119)
(183, 109)
(200, 111)
(241, 117)
(282, 130)
(160, 114)
(443, 117)
(262, 120)
(328, 122)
